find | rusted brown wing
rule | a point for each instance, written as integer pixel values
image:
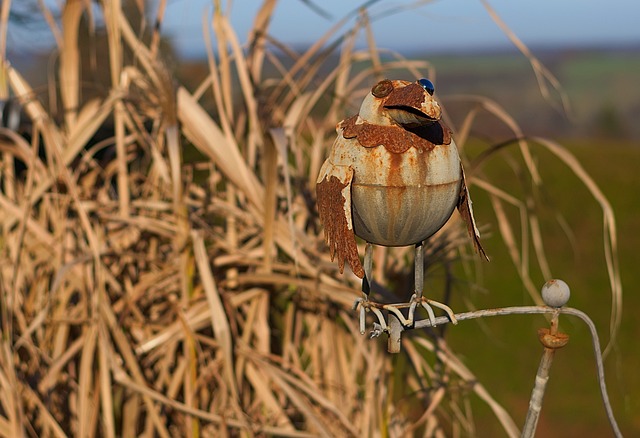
(333, 190)
(466, 211)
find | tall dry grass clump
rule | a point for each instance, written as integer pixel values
(148, 292)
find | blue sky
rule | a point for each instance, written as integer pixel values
(434, 26)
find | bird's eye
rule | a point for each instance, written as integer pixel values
(382, 88)
(427, 85)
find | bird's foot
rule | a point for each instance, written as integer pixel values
(426, 303)
(381, 326)
(370, 306)
(377, 330)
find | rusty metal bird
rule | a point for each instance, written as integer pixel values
(393, 178)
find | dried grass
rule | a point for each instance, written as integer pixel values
(152, 296)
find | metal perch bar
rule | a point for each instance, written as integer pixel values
(395, 332)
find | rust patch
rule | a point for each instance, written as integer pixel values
(394, 197)
(394, 173)
(552, 341)
(396, 138)
(411, 95)
(340, 239)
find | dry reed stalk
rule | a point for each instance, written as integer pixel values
(70, 61)
(257, 38)
(157, 25)
(5, 8)
(543, 75)
(113, 22)
(151, 295)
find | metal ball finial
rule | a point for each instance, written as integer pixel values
(555, 293)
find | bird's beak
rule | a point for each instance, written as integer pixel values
(412, 106)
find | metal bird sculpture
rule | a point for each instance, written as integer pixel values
(393, 178)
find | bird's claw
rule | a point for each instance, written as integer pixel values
(427, 305)
(367, 306)
(381, 326)
(377, 331)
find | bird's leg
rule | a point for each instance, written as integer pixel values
(368, 275)
(417, 299)
(418, 266)
(364, 303)
(419, 286)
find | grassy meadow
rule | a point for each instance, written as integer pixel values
(163, 271)
(505, 351)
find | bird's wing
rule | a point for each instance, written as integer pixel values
(333, 190)
(466, 211)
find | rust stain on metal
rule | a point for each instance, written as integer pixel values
(552, 341)
(396, 139)
(411, 95)
(339, 237)
(395, 197)
(394, 172)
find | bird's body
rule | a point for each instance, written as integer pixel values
(393, 176)
(398, 199)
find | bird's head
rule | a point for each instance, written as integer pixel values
(408, 104)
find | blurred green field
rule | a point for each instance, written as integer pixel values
(600, 85)
(505, 352)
